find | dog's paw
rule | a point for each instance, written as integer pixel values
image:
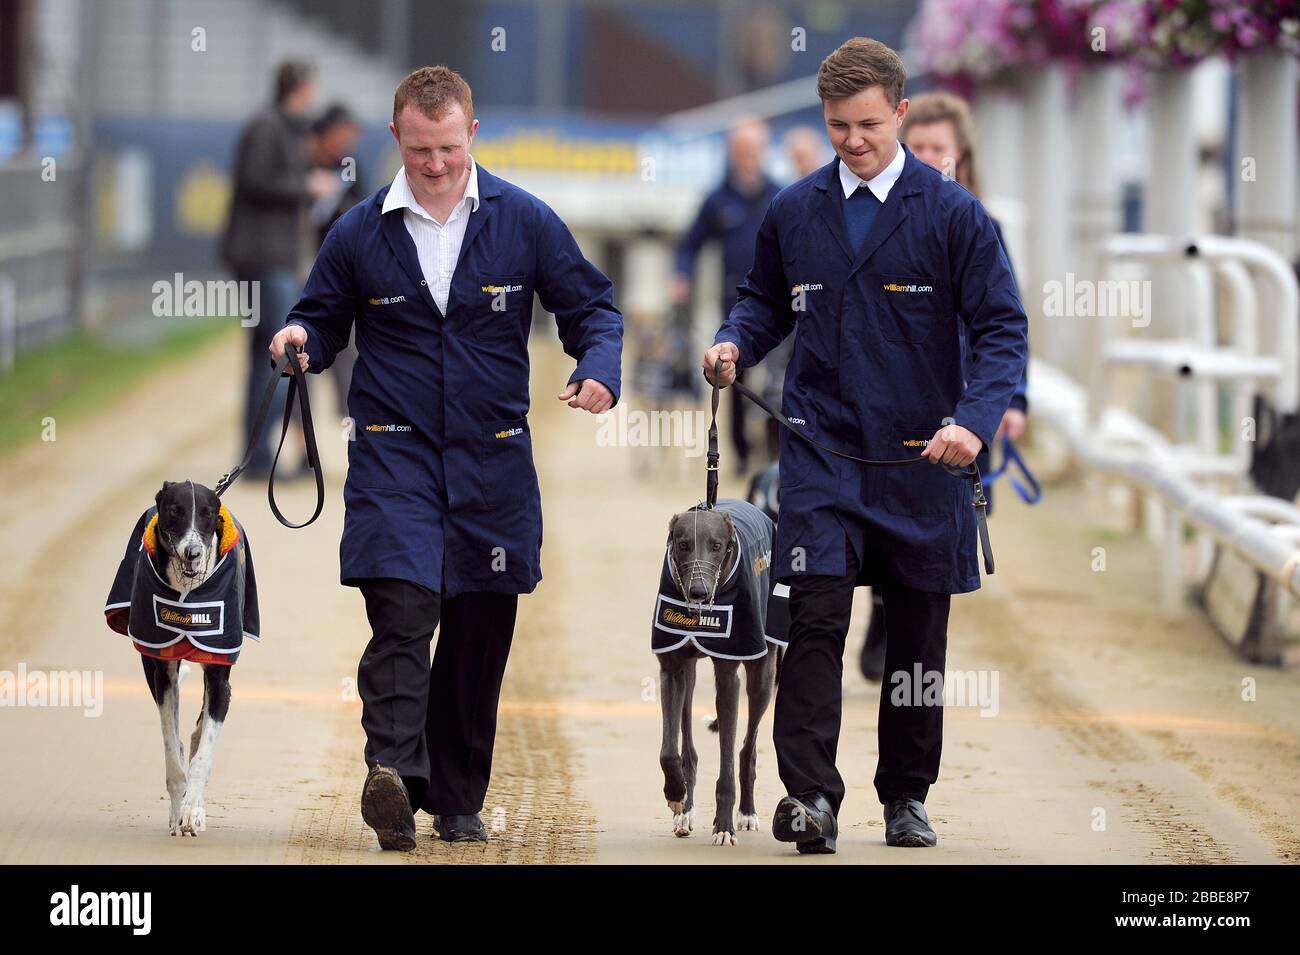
(747, 823)
(683, 824)
(193, 818)
(675, 806)
(724, 838)
(174, 813)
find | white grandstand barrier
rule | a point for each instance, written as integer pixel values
(1198, 355)
(1267, 150)
(1263, 531)
(1047, 191)
(1243, 309)
(1271, 266)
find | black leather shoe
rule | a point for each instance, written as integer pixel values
(808, 822)
(386, 808)
(906, 824)
(460, 828)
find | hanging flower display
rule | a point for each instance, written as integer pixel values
(968, 42)
(964, 43)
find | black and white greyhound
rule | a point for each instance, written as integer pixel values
(190, 539)
(188, 536)
(706, 552)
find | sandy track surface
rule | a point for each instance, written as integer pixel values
(1119, 735)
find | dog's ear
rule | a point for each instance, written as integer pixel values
(157, 498)
(672, 526)
(733, 539)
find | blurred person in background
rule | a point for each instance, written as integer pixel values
(334, 136)
(939, 132)
(263, 243)
(804, 150)
(731, 214)
(443, 515)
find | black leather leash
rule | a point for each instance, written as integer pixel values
(297, 388)
(970, 473)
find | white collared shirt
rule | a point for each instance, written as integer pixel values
(436, 243)
(881, 183)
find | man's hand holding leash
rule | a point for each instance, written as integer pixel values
(729, 354)
(295, 335)
(953, 444)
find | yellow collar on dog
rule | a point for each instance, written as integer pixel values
(229, 533)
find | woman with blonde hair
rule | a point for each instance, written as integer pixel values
(939, 131)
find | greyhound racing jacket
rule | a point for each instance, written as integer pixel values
(746, 614)
(207, 624)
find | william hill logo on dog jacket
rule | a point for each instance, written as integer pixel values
(738, 624)
(207, 624)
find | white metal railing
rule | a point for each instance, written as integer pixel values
(1263, 531)
(1195, 354)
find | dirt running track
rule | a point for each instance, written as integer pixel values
(1119, 736)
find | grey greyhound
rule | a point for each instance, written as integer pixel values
(713, 599)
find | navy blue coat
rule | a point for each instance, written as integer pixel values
(441, 488)
(877, 366)
(733, 218)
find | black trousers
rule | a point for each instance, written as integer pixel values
(739, 438)
(434, 723)
(806, 727)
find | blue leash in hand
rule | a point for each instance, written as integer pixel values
(1030, 493)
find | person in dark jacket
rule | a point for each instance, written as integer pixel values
(939, 132)
(443, 522)
(263, 242)
(731, 214)
(874, 262)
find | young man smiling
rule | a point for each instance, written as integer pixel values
(872, 261)
(443, 520)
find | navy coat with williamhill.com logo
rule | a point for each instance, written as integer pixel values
(877, 367)
(441, 488)
(747, 612)
(207, 624)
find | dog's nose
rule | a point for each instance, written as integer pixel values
(698, 591)
(193, 552)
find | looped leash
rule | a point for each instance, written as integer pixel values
(297, 388)
(1031, 492)
(970, 473)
